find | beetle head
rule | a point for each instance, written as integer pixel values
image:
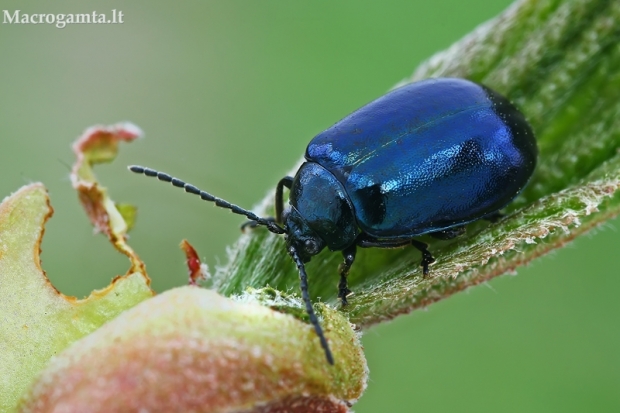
(300, 236)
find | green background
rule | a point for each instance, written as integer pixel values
(228, 94)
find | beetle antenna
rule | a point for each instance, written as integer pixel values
(271, 226)
(303, 278)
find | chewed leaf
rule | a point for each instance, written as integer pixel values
(99, 144)
(128, 212)
(37, 320)
(190, 349)
(559, 62)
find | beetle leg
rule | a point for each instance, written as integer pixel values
(448, 233)
(287, 181)
(493, 217)
(367, 241)
(343, 288)
(254, 224)
(427, 257)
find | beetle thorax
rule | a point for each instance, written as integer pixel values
(320, 208)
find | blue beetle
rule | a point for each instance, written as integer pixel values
(426, 158)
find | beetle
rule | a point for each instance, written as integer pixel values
(426, 158)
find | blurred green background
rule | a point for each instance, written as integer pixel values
(228, 94)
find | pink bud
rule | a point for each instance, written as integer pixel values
(192, 350)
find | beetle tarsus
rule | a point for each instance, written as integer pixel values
(343, 289)
(251, 224)
(427, 257)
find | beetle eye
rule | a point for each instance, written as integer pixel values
(311, 246)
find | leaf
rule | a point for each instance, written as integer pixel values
(99, 144)
(560, 63)
(39, 321)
